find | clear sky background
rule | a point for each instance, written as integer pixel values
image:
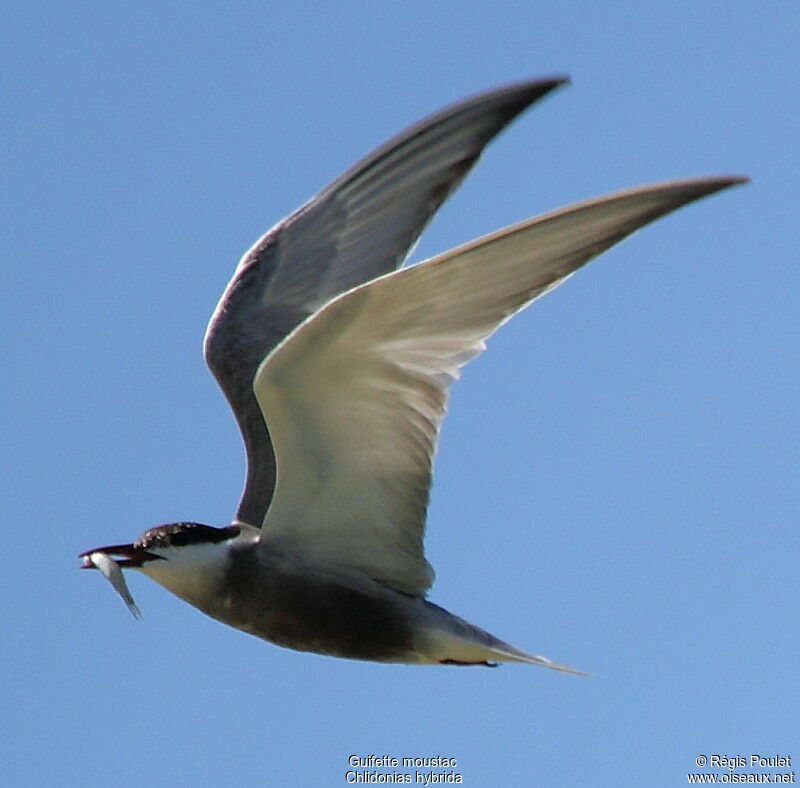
(617, 483)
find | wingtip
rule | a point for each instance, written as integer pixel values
(710, 181)
(729, 180)
(553, 80)
(538, 87)
(558, 80)
(711, 184)
(522, 92)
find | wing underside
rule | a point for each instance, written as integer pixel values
(355, 396)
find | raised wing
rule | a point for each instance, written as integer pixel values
(359, 227)
(355, 396)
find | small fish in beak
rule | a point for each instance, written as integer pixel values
(130, 556)
(111, 571)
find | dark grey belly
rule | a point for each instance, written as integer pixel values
(319, 613)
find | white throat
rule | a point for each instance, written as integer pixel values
(192, 572)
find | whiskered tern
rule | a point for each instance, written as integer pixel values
(337, 366)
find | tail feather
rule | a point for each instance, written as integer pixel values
(449, 640)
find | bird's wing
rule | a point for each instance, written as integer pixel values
(359, 227)
(354, 397)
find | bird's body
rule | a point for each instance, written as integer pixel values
(314, 607)
(338, 368)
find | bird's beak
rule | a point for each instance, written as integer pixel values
(125, 555)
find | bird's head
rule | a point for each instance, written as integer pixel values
(186, 558)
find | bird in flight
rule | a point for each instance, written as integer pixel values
(337, 364)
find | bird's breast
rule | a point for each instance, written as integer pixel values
(314, 609)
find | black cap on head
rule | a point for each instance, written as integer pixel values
(182, 534)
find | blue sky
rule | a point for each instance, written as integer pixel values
(616, 484)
